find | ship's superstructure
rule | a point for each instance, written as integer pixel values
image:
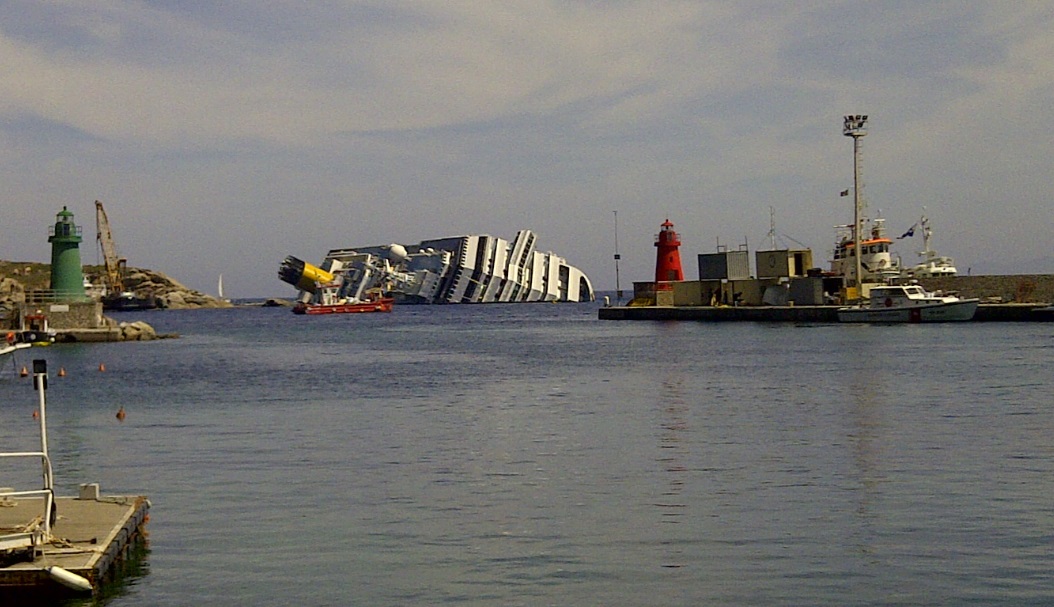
(932, 264)
(460, 269)
(877, 264)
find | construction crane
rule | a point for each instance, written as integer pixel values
(115, 266)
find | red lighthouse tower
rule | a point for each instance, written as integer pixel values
(667, 258)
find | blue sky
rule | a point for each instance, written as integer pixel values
(223, 136)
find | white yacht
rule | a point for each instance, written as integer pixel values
(932, 265)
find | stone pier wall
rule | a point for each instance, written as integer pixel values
(1018, 288)
(1012, 288)
(74, 315)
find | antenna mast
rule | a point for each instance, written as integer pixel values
(772, 228)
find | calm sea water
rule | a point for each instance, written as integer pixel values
(534, 455)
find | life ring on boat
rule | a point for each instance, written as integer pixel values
(10, 337)
(889, 302)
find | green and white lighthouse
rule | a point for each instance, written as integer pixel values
(67, 278)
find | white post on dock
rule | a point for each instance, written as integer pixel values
(40, 384)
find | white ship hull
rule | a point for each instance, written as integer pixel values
(946, 312)
(462, 269)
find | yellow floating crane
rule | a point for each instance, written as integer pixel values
(113, 278)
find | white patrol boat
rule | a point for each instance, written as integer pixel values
(908, 303)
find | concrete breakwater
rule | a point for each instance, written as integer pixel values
(1004, 298)
(123, 331)
(73, 322)
(818, 290)
(1010, 312)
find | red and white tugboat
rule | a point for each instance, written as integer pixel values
(370, 304)
(334, 290)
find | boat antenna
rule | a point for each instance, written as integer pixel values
(772, 228)
(618, 287)
(856, 127)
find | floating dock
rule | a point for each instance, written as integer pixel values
(53, 546)
(92, 537)
(1012, 312)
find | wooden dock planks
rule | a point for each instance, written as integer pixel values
(91, 537)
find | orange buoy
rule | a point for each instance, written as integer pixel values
(62, 371)
(24, 372)
(120, 414)
(102, 367)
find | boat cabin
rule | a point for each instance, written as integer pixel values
(899, 296)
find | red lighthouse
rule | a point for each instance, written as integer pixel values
(667, 258)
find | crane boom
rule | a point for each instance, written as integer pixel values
(113, 279)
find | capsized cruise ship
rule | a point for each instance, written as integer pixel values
(460, 269)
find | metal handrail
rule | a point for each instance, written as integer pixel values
(43, 296)
(33, 539)
(47, 492)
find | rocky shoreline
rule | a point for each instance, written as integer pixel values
(22, 282)
(16, 278)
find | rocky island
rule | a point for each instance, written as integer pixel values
(25, 285)
(16, 278)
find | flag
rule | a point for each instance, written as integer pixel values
(908, 234)
(844, 193)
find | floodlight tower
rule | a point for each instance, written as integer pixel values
(856, 127)
(618, 287)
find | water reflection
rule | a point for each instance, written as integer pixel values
(865, 418)
(672, 457)
(121, 580)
